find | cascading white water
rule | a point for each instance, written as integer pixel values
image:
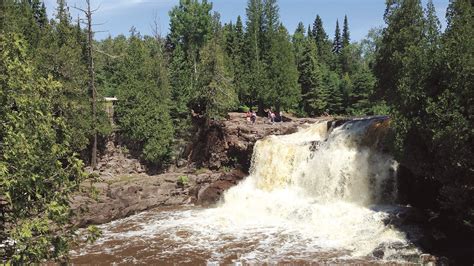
(338, 168)
(311, 195)
(321, 185)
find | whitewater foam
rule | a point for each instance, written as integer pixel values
(310, 196)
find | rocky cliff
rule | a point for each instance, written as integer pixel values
(218, 158)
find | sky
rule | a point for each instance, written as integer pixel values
(118, 16)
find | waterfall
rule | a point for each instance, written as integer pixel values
(324, 184)
(326, 166)
(323, 194)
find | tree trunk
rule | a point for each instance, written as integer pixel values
(92, 89)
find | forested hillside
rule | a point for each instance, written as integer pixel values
(410, 69)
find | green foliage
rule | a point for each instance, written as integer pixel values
(36, 158)
(284, 89)
(215, 95)
(244, 108)
(346, 37)
(314, 95)
(362, 89)
(298, 43)
(379, 108)
(427, 80)
(191, 27)
(183, 179)
(93, 233)
(143, 109)
(335, 97)
(337, 43)
(322, 41)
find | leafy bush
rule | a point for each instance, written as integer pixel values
(244, 108)
(184, 179)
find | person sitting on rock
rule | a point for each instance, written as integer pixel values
(248, 116)
(271, 116)
(253, 117)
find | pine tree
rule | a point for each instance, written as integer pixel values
(450, 115)
(298, 42)
(319, 98)
(346, 55)
(310, 80)
(238, 62)
(39, 12)
(362, 89)
(283, 74)
(143, 109)
(337, 44)
(346, 88)
(322, 41)
(335, 97)
(270, 24)
(181, 84)
(255, 77)
(191, 25)
(310, 32)
(346, 39)
(215, 95)
(400, 54)
(61, 54)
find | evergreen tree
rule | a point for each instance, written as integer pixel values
(310, 79)
(143, 109)
(310, 32)
(270, 24)
(191, 26)
(400, 57)
(362, 89)
(39, 12)
(283, 74)
(322, 41)
(255, 77)
(337, 43)
(298, 42)
(238, 62)
(450, 116)
(346, 88)
(215, 95)
(38, 170)
(61, 55)
(346, 39)
(181, 92)
(335, 97)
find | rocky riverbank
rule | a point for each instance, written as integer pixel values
(217, 159)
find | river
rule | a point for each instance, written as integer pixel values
(317, 195)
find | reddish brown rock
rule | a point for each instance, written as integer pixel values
(126, 189)
(230, 142)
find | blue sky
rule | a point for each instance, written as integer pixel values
(118, 16)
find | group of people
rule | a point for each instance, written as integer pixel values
(251, 116)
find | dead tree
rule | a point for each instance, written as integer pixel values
(92, 90)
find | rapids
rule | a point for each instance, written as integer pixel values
(317, 195)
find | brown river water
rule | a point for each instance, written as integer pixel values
(313, 197)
